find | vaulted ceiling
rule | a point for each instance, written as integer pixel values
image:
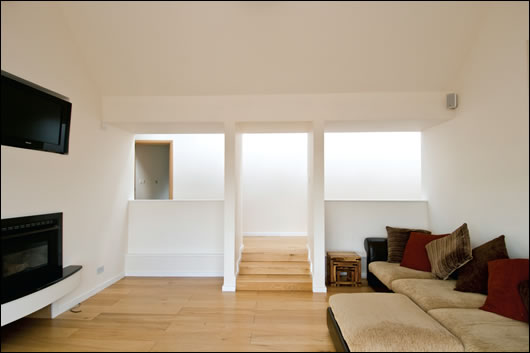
(231, 48)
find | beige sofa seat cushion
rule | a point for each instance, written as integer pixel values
(436, 294)
(388, 272)
(482, 331)
(389, 322)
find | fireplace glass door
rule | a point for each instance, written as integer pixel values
(31, 255)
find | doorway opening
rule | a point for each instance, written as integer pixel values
(274, 184)
(274, 197)
(153, 170)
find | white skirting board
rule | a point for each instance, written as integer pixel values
(174, 265)
(28, 304)
(320, 290)
(229, 289)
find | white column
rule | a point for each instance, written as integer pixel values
(318, 214)
(230, 207)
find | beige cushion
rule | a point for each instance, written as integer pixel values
(482, 331)
(388, 272)
(389, 322)
(435, 294)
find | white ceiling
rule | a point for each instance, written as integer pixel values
(228, 48)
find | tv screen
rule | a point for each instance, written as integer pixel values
(34, 117)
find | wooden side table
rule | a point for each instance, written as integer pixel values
(344, 268)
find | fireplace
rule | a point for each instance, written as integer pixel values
(31, 254)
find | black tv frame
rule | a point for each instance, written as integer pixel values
(66, 110)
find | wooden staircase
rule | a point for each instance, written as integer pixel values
(274, 264)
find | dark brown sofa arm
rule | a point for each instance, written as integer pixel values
(376, 250)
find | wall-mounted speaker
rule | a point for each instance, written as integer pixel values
(452, 101)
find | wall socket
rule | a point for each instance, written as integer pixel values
(100, 270)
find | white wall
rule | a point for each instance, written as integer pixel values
(425, 107)
(373, 165)
(348, 223)
(475, 167)
(152, 172)
(198, 165)
(274, 184)
(92, 183)
(175, 238)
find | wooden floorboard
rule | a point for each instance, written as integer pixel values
(182, 314)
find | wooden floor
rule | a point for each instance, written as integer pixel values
(181, 314)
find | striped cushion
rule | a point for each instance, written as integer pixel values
(450, 253)
(397, 241)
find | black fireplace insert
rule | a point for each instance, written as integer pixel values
(32, 254)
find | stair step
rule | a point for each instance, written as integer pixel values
(275, 242)
(274, 267)
(268, 256)
(275, 282)
(279, 250)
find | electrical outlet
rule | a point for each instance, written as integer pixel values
(100, 270)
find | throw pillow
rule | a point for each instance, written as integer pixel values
(448, 254)
(503, 292)
(523, 291)
(415, 255)
(397, 239)
(473, 277)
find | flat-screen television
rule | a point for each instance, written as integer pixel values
(34, 117)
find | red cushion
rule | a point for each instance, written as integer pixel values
(503, 298)
(415, 255)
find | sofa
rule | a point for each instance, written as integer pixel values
(427, 314)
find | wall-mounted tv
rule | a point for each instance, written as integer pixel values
(34, 117)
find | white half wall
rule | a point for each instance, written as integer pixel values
(475, 167)
(348, 223)
(174, 265)
(175, 238)
(90, 185)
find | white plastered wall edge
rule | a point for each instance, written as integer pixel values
(239, 258)
(309, 259)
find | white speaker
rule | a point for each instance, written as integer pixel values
(452, 101)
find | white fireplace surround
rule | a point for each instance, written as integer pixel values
(30, 303)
